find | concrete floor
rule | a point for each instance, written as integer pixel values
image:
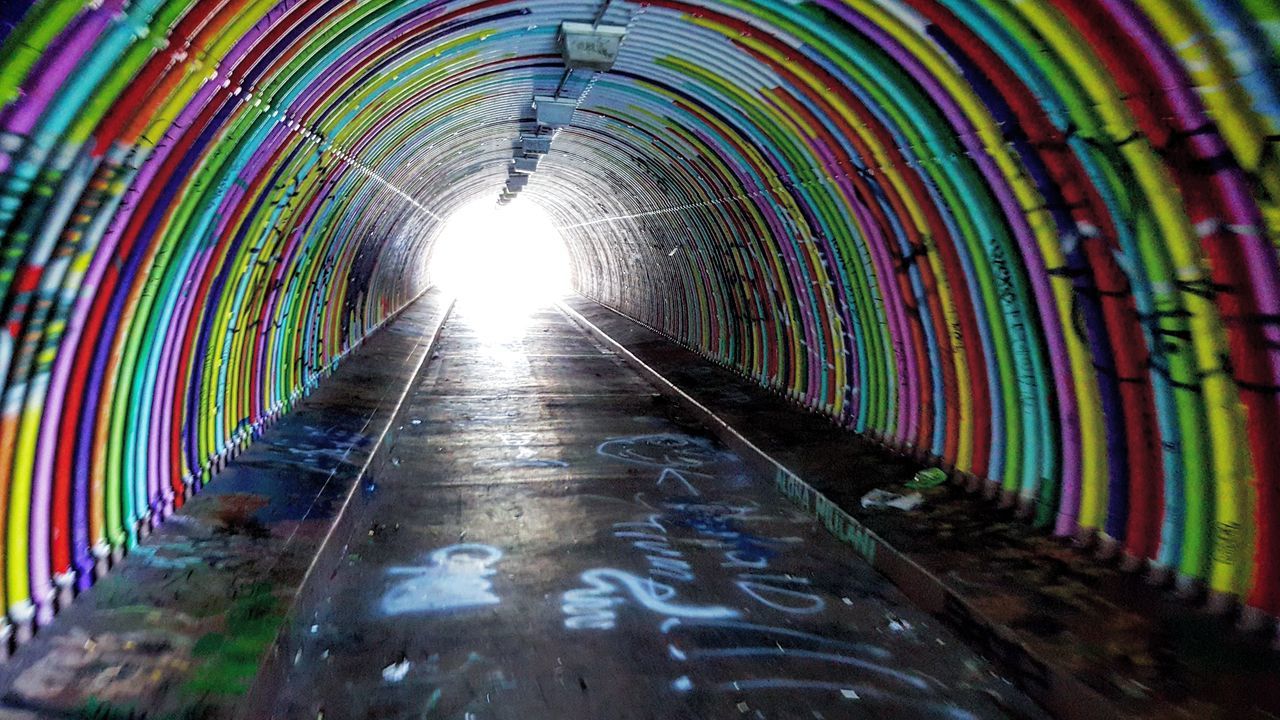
(550, 538)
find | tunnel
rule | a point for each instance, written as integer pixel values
(1026, 246)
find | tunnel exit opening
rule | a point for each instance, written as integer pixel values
(501, 261)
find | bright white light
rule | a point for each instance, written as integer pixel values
(501, 260)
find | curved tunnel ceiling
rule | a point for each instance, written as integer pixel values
(1035, 241)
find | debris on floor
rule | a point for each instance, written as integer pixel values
(927, 478)
(395, 672)
(877, 499)
(897, 624)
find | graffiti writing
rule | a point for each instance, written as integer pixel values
(453, 578)
(834, 518)
(671, 451)
(592, 607)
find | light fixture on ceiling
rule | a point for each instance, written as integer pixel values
(525, 165)
(587, 46)
(535, 144)
(553, 112)
(516, 183)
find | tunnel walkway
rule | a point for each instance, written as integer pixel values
(180, 625)
(550, 538)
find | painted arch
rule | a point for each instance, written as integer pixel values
(1035, 241)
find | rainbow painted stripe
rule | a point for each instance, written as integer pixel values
(1035, 240)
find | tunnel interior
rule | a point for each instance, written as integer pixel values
(1033, 243)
